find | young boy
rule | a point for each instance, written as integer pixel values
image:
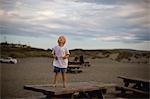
(60, 62)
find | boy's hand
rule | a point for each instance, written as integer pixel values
(64, 57)
(55, 57)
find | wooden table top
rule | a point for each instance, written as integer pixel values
(74, 66)
(71, 87)
(134, 79)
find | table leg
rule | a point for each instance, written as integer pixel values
(96, 94)
(83, 95)
(146, 87)
(126, 83)
(64, 96)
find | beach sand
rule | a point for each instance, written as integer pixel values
(40, 71)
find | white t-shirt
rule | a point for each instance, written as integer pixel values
(60, 52)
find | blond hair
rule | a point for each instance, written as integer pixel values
(63, 37)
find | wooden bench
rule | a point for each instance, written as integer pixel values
(74, 90)
(74, 69)
(136, 85)
(123, 89)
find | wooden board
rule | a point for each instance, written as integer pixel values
(74, 66)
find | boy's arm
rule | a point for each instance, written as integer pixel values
(53, 53)
(67, 53)
(54, 56)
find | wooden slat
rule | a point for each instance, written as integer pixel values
(74, 66)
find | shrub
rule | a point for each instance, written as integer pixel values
(124, 55)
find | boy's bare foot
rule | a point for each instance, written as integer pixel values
(64, 86)
(54, 85)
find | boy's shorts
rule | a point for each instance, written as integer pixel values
(58, 70)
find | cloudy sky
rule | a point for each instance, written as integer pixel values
(87, 24)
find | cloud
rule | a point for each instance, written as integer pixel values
(106, 20)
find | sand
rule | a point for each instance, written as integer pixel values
(39, 71)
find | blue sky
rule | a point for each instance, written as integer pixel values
(87, 24)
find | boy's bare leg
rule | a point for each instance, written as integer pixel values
(55, 79)
(64, 80)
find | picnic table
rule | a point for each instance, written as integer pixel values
(136, 85)
(79, 63)
(73, 90)
(74, 69)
